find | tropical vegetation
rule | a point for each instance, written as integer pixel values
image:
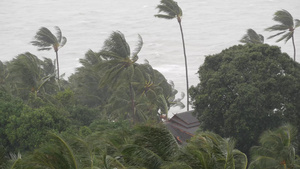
(171, 10)
(46, 40)
(277, 149)
(110, 112)
(252, 37)
(286, 27)
(245, 90)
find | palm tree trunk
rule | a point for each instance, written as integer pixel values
(132, 104)
(294, 47)
(186, 69)
(56, 52)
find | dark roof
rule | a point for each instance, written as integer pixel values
(183, 126)
(187, 117)
(180, 135)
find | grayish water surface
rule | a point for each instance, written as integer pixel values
(209, 26)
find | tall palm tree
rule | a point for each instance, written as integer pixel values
(276, 150)
(286, 27)
(45, 40)
(172, 10)
(252, 37)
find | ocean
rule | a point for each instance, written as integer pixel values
(209, 27)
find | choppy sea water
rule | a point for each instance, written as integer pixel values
(209, 27)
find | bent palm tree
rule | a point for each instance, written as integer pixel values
(153, 147)
(172, 10)
(276, 150)
(209, 150)
(286, 27)
(120, 65)
(252, 37)
(45, 39)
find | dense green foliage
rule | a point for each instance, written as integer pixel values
(28, 74)
(109, 113)
(245, 90)
(119, 145)
(277, 149)
(110, 85)
(124, 89)
(9, 106)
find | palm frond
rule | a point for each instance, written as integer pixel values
(276, 34)
(276, 147)
(284, 17)
(277, 28)
(167, 10)
(286, 36)
(58, 34)
(110, 162)
(117, 44)
(158, 140)
(213, 151)
(137, 49)
(15, 159)
(170, 8)
(252, 37)
(63, 42)
(297, 23)
(139, 156)
(68, 150)
(261, 37)
(164, 16)
(44, 39)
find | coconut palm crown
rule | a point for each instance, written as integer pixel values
(45, 40)
(252, 37)
(171, 10)
(286, 27)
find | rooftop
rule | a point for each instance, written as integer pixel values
(183, 126)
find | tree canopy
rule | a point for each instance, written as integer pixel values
(245, 90)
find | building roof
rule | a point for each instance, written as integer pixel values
(183, 126)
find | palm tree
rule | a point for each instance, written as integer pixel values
(172, 10)
(277, 149)
(139, 92)
(159, 95)
(45, 40)
(153, 147)
(210, 151)
(252, 37)
(119, 67)
(85, 81)
(286, 27)
(29, 74)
